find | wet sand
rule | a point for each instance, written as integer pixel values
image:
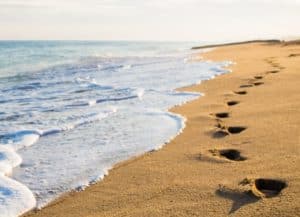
(245, 129)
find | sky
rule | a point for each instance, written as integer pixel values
(162, 20)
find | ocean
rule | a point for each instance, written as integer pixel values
(70, 110)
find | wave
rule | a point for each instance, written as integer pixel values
(9, 159)
(178, 119)
(16, 198)
(24, 138)
(134, 93)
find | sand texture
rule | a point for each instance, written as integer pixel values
(244, 130)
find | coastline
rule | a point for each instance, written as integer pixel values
(183, 178)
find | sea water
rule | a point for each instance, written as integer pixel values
(70, 110)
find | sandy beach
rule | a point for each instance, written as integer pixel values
(237, 156)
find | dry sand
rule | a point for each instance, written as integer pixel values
(185, 178)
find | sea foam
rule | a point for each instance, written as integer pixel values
(16, 198)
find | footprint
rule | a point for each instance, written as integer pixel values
(223, 131)
(258, 77)
(268, 187)
(246, 85)
(273, 63)
(232, 103)
(222, 115)
(220, 134)
(258, 83)
(230, 154)
(276, 65)
(236, 130)
(241, 92)
(265, 187)
(294, 55)
(273, 71)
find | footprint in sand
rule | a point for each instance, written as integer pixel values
(258, 83)
(224, 131)
(236, 130)
(274, 64)
(294, 55)
(241, 92)
(259, 188)
(252, 82)
(273, 71)
(220, 134)
(229, 154)
(222, 115)
(258, 77)
(246, 85)
(232, 103)
(267, 188)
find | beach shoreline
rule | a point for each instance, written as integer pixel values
(190, 176)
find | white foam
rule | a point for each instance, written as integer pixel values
(8, 160)
(127, 66)
(92, 102)
(22, 138)
(139, 92)
(179, 121)
(134, 93)
(15, 198)
(88, 118)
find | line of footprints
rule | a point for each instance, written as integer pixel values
(255, 188)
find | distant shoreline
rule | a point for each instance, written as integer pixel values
(275, 41)
(270, 41)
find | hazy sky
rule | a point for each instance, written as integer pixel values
(200, 20)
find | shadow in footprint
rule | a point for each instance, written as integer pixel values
(232, 103)
(229, 154)
(222, 115)
(239, 198)
(294, 55)
(232, 154)
(241, 92)
(258, 83)
(236, 130)
(273, 71)
(268, 187)
(246, 86)
(220, 134)
(258, 77)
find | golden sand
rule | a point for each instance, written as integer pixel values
(222, 162)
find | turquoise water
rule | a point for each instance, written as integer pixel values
(20, 56)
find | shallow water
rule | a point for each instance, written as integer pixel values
(70, 110)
